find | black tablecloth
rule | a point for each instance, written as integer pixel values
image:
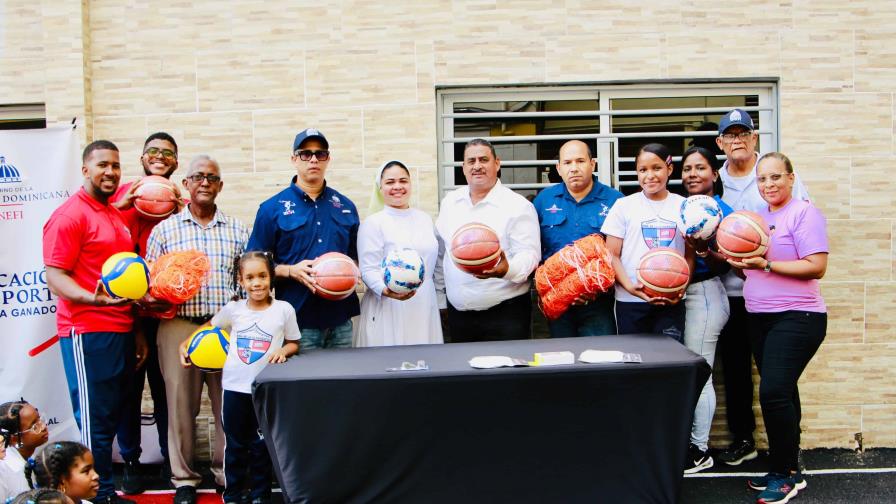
(341, 429)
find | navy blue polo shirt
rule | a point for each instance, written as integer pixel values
(564, 220)
(295, 227)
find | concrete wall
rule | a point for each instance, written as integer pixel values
(238, 79)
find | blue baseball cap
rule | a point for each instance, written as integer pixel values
(736, 117)
(309, 133)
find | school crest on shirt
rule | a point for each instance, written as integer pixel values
(252, 344)
(337, 203)
(287, 207)
(658, 232)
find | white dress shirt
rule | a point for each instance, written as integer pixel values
(514, 220)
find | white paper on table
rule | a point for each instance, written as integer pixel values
(495, 361)
(601, 356)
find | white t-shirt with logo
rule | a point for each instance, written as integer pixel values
(642, 224)
(254, 335)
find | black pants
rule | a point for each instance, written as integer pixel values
(508, 320)
(244, 451)
(129, 426)
(783, 344)
(634, 317)
(737, 371)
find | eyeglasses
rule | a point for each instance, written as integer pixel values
(742, 136)
(199, 177)
(37, 427)
(773, 178)
(165, 153)
(305, 155)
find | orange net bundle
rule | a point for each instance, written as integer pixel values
(177, 276)
(584, 267)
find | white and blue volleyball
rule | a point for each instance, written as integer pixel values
(403, 270)
(700, 216)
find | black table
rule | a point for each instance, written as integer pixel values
(341, 429)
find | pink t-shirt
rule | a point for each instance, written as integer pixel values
(797, 230)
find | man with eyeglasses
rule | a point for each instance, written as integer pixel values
(201, 226)
(300, 223)
(738, 139)
(159, 158)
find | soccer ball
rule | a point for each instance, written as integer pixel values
(700, 216)
(125, 275)
(403, 270)
(208, 348)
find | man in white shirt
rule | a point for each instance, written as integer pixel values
(495, 305)
(738, 139)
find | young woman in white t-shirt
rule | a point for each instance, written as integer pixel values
(636, 224)
(263, 331)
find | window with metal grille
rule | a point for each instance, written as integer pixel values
(24, 116)
(528, 124)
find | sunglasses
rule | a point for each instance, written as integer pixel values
(199, 177)
(305, 155)
(165, 153)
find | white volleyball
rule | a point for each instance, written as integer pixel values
(403, 270)
(700, 216)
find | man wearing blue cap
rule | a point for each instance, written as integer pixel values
(300, 223)
(738, 139)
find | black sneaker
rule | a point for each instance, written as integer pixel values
(185, 495)
(131, 482)
(114, 499)
(738, 452)
(698, 460)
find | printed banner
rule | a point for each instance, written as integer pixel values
(39, 169)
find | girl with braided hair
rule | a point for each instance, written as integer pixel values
(42, 496)
(25, 431)
(65, 466)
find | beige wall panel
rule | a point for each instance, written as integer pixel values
(829, 426)
(872, 187)
(878, 428)
(604, 56)
(367, 74)
(239, 79)
(262, 22)
(847, 374)
(848, 262)
(731, 53)
(417, 21)
(23, 80)
(161, 82)
(353, 182)
(275, 130)
(482, 21)
(846, 311)
(823, 14)
(427, 190)
(863, 124)
(817, 60)
(128, 133)
(875, 66)
(21, 36)
(405, 133)
(464, 61)
(243, 192)
(227, 137)
(880, 306)
(633, 16)
(828, 182)
(426, 72)
(764, 14)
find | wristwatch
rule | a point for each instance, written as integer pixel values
(768, 266)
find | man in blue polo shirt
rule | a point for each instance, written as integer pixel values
(567, 212)
(300, 223)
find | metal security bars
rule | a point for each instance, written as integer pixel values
(528, 124)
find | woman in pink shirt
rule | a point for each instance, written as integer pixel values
(788, 318)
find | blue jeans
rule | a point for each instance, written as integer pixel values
(633, 317)
(706, 311)
(332, 337)
(594, 319)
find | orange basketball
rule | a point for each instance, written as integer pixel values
(742, 234)
(664, 273)
(155, 197)
(475, 248)
(335, 275)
